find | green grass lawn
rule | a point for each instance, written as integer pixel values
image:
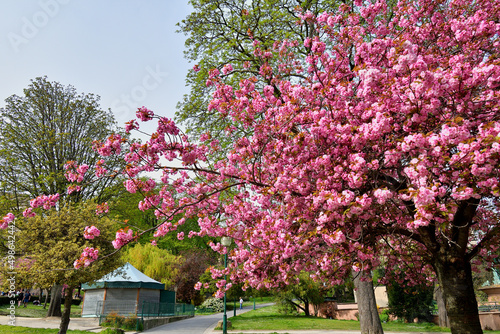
(268, 318)
(6, 329)
(32, 311)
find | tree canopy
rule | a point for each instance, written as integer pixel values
(49, 245)
(385, 144)
(224, 31)
(157, 263)
(41, 131)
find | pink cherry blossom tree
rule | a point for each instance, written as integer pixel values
(383, 146)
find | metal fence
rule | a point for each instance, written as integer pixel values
(104, 307)
(109, 311)
(492, 306)
(156, 310)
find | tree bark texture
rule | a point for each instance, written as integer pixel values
(455, 278)
(55, 301)
(442, 315)
(369, 319)
(68, 298)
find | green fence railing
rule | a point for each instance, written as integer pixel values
(158, 310)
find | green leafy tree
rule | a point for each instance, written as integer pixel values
(409, 302)
(52, 243)
(157, 263)
(302, 295)
(41, 131)
(223, 31)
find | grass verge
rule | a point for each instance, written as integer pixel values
(32, 311)
(268, 318)
(6, 329)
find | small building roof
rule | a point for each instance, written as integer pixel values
(127, 277)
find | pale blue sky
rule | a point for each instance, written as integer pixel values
(126, 51)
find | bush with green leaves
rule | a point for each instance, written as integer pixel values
(118, 321)
(215, 304)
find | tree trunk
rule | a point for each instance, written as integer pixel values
(369, 319)
(442, 315)
(306, 309)
(46, 298)
(455, 278)
(55, 301)
(68, 298)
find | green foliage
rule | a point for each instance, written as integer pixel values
(410, 302)
(157, 263)
(50, 244)
(384, 316)
(299, 296)
(215, 304)
(43, 130)
(117, 321)
(177, 247)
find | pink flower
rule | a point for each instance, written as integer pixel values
(144, 114)
(102, 208)
(28, 212)
(91, 232)
(226, 69)
(6, 220)
(123, 237)
(88, 256)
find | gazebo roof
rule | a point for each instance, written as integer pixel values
(127, 277)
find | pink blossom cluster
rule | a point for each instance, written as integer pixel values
(45, 201)
(88, 256)
(123, 237)
(102, 208)
(91, 232)
(111, 146)
(100, 170)
(75, 172)
(6, 220)
(144, 114)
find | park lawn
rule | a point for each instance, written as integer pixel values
(6, 329)
(268, 318)
(32, 311)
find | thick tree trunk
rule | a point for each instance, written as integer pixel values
(369, 319)
(68, 298)
(442, 315)
(455, 278)
(55, 301)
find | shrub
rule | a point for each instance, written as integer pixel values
(215, 304)
(118, 321)
(384, 316)
(113, 320)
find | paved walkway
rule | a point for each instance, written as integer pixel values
(86, 324)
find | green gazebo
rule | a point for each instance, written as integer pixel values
(124, 291)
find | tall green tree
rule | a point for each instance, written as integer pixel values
(41, 131)
(52, 243)
(157, 263)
